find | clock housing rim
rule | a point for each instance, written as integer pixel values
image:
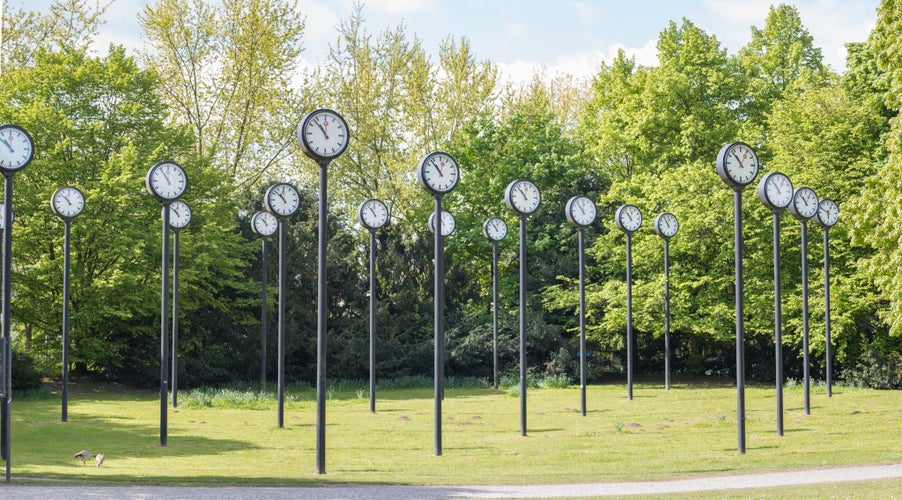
(792, 205)
(620, 225)
(422, 180)
(568, 211)
(363, 222)
(510, 204)
(657, 225)
(149, 185)
(303, 139)
(722, 169)
(8, 170)
(269, 208)
(53, 205)
(485, 231)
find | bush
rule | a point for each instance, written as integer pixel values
(26, 377)
(876, 370)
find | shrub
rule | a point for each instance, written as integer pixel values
(876, 370)
(25, 376)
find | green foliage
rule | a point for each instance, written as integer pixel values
(876, 370)
(26, 378)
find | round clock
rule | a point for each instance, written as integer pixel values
(666, 225)
(323, 135)
(628, 218)
(166, 180)
(580, 211)
(775, 191)
(494, 229)
(282, 199)
(438, 172)
(804, 204)
(373, 214)
(179, 214)
(827, 213)
(448, 223)
(737, 164)
(522, 196)
(264, 223)
(67, 202)
(16, 148)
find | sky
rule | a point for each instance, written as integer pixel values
(552, 36)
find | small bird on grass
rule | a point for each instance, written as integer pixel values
(84, 455)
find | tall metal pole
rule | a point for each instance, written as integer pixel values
(5, 433)
(164, 326)
(805, 362)
(175, 316)
(322, 308)
(280, 376)
(582, 319)
(666, 314)
(827, 312)
(439, 322)
(778, 325)
(522, 325)
(495, 314)
(66, 248)
(629, 317)
(263, 319)
(740, 342)
(372, 321)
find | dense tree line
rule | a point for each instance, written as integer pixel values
(220, 91)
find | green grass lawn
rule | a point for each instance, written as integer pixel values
(687, 431)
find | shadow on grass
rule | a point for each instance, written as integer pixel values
(43, 439)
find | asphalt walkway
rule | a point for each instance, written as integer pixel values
(379, 492)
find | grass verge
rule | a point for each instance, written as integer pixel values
(685, 432)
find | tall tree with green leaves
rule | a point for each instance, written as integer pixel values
(778, 55)
(874, 221)
(227, 70)
(70, 24)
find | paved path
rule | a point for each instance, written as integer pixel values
(353, 492)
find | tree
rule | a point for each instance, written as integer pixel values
(226, 70)
(69, 24)
(776, 57)
(874, 223)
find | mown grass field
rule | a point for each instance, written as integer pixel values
(687, 431)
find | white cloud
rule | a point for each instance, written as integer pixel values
(399, 7)
(580, 65)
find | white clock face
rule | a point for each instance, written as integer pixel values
(737, 164)
(438, 172)
(580, 211)
(324, 134)
(666, 225)
(67, 202)
(494, 229)
(827, 213)
(628, 218)
(523, 197)
(166, 180)
(179, 214)
(16, 148)
(447, 223)
(775, 191)
(373, 214)
(282, 199)
(804, 203)
(264, 223)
